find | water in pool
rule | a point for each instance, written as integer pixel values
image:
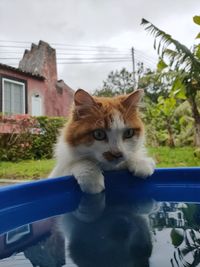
(105, 232)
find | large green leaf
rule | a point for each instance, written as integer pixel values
(198, 51)
(196, 20)
(161, 65)
(177, 236)
(198, 36)
(178, 89)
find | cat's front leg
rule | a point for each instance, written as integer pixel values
(141, 166)
(88, 176)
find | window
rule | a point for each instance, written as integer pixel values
(13, 97)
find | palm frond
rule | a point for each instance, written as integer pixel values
(180, 57)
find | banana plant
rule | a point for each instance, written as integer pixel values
(175, 56)
(187, 248)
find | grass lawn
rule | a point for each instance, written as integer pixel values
(30, 169)
(174, 157)
(27, 169)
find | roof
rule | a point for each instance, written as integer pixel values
(18, 70)
(60, 85)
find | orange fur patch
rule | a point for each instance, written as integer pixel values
(86, 119)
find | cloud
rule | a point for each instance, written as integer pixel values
(107, 22)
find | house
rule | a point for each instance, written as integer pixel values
(169, 215)
(33, 88)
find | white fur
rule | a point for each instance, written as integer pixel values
(86, 163)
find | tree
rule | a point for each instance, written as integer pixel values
(117, 83)
(121, 82)
(153, 82)
(165, 122)
(182, 61)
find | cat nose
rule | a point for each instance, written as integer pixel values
(117, 154)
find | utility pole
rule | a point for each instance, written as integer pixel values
(133, 62)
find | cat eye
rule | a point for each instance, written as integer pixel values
(99, 134)
(128, 133)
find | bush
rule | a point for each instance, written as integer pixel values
(42, 146)
(25, 137)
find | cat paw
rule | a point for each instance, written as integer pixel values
(88, 176)
(143, 168)
(94, 185)
(92, 188)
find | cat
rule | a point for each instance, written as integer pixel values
(108, 234)
(102, 133)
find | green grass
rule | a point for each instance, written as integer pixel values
(174, 157)
(27, 169)
(30, 169)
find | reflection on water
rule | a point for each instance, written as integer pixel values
(176, 233)
(117, 235)
(107, 233)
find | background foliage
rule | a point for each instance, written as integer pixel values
(172, 91)
(28, 137)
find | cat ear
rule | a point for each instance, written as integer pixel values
(84, 103)
(82, 98)
(133, 99)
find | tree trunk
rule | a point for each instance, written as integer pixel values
(196, 116)
(171, 137)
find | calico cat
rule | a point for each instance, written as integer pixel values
(102, 133)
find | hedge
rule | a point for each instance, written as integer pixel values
(26, 137)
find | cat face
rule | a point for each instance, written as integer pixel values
(106, 130)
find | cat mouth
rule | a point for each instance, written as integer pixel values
(113, 156)
(112, 165)
(114, 162)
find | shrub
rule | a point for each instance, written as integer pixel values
(26, 137)
(42, 146)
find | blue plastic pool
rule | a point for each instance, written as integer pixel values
(135, 222)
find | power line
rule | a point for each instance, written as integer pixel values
(77, 58)
(78, 54)
(88, 60)
(94, 53)
(142, 54)
(77, 48)
(141, 59)
(91, 62)
(13, 46)
(78, 51)
(96, 58)
(82, 62)
(8, 52)
(72, 48)
(62, 44)
(12, 41)
(81, 54)
(133, 64)
(16, 58)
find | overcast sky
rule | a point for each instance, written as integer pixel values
(84, 23)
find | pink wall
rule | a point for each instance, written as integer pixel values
(57, 102)
(54, 102)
